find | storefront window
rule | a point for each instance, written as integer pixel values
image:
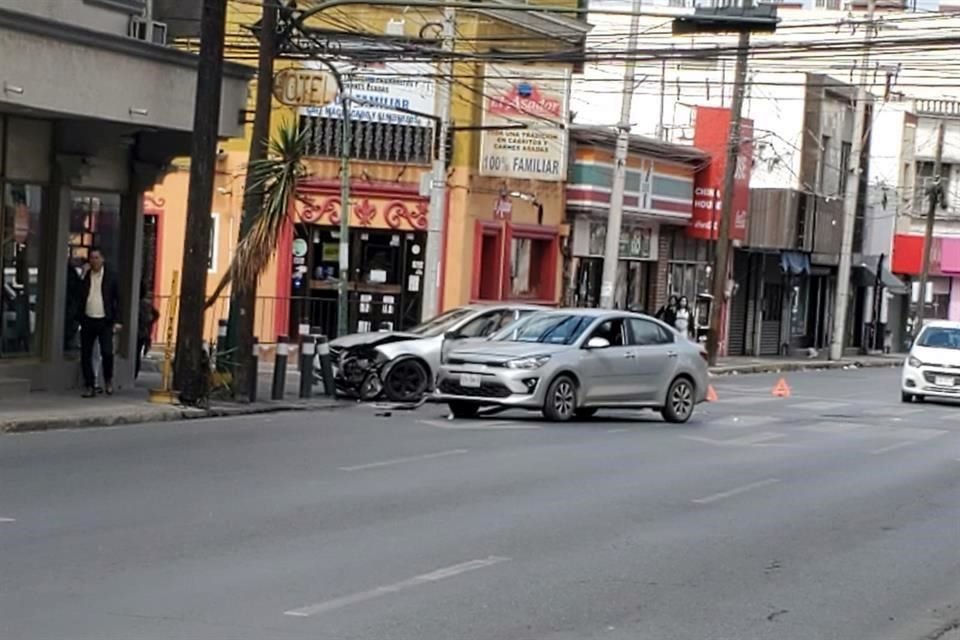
(20, 238)
(94, 222)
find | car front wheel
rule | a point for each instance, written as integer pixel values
(906, 397)
(406, 381)
(560, 404)
(680, 402)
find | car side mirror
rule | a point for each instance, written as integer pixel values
(451, 335)
(597, 343)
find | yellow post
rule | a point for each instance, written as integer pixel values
(165, 393)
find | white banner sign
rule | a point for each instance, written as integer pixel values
(378, 90)
(536, 97)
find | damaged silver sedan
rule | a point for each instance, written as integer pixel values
(402, 365)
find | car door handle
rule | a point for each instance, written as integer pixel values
(630, 355)
(671, 354)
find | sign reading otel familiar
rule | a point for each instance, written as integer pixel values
(304, 87)
(536, 97)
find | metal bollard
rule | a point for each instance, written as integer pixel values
(280, 369)
(307, 349)
(254, 371)
(303, 331)
(221, 360)
(326, 366)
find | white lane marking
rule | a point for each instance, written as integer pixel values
(617, 430)
(2, 520)
(817, 406)
(912, 433)
(748, 400)
(892, 447)
(754, 440)
(737, 491)
(416, 581)
(833, 427)
(394, 461)
(491, 425)
(743, 422)
(890, 411)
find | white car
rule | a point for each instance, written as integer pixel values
(932, 369)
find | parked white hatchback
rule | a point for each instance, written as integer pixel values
(932, 369)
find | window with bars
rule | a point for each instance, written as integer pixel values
(374, 141)
(924, 180)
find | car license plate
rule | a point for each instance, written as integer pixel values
(943, 381)
(471, 380)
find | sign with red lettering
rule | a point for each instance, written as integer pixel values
(711, 135)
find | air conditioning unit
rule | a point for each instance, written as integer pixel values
(148, 30)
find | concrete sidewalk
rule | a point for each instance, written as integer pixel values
(46, 411)
(748, 365)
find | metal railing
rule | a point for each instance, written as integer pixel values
(277, 316)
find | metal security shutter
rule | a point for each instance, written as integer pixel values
(736, 343)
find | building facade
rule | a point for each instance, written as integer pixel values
(658, 257)
(942, 298)
(78, 148)
(504, 214)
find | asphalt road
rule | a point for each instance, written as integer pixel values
(834, 514)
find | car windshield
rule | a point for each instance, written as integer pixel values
(940, 338)
(437, 325)
(549, 328)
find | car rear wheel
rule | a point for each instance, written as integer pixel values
(406, 381)
(463, 409)
(560, 404)
(680, 401)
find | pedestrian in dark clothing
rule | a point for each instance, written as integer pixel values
(147, 318)
(668, 312)
(99, 320)
(74, 310)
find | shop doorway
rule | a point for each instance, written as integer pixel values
(385, 280)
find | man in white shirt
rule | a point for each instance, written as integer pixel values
(98, 321)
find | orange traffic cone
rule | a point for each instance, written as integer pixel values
(781, 389)
(712, 394)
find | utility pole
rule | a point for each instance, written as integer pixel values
(191, 369)
(850, 199)
(721, 258)
(936, 193)
(611, 253)
(343, 254)
(434, 258)
(243, 304)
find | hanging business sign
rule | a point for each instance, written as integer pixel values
(711, 133)
(525, 112)
(392, 93)
(638, 241)
(304, 87)
(21, 223)
(503, 209)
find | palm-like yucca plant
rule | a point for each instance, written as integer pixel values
(276, 178)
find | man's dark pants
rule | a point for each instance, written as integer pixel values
(91, 331)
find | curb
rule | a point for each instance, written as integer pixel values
(162, 414)
(785, 367)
